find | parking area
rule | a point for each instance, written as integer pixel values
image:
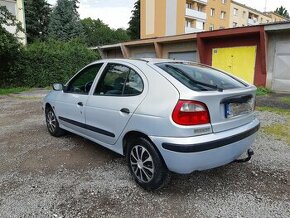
(43, 176)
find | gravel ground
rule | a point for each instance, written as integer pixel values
(43, 176)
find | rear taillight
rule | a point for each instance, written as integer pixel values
(190, 113)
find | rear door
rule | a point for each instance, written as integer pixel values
(69, 106)
(119, 91)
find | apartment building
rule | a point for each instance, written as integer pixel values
(218, 12)
(243, 15)
(174, 17)
(16, 8)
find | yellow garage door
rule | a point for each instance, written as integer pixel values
(239, 61)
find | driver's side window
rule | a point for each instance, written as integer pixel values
(83, 82)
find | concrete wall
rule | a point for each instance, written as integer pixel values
(136, 51)
(178, 47)
(113, 53)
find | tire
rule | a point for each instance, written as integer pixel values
(146, 165)
(52, 123)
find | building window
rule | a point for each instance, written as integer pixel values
(224, 1)
(212, 12)
(199, 8)
(189, 5)
(188, 23)
(244, 14)
(235, 12)
(211, 27)
(223, 14)
(235, 24)
(261, 19)
(199, 25)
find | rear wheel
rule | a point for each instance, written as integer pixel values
(146, 165)
(52, 123)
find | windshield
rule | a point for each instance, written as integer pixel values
(201, 78)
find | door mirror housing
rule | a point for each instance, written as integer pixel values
(58, 86)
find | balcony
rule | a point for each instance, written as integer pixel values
(201, 1)
(192, 30)
(252, 22)
(195, 14)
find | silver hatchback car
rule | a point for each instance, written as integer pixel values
(163, 115)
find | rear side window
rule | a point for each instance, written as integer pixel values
(200, 78)
(119, 80)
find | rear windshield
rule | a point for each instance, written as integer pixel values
(201, 78)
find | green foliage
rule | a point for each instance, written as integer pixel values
(98, 33)
(64, 21)
(263, 91)
(14, 90)
(44, 63)
(9, 47)
(134, 23)
(37, 14)
(282, 11)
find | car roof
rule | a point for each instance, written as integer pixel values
(142, 60)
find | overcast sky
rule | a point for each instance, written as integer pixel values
(117, 13)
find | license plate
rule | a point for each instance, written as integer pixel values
(237, 109)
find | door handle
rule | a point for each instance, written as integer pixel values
(80, 104)
(125, 110)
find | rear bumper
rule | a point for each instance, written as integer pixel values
(185, 155)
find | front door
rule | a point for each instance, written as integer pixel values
(69, 105)
(119, 91)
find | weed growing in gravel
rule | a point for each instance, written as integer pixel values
(263, 91)
(286, 99)
(280, 111)
(279, 131)
(6, 91)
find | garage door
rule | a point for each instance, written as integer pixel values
(281, 74)
(187, 56)
(239, 61)
(145, 55)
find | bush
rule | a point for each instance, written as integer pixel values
(44, 63)
(9, 53)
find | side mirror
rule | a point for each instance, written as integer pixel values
(57, 86)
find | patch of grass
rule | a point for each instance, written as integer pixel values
(48, 88)
(276, 110)
(6, 91)
(279, 131)
(263, 91)
(286, 99)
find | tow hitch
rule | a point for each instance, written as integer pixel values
(250, 153)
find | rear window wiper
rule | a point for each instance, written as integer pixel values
(216, 87)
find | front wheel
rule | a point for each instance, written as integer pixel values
(52, 123)
(146, 165)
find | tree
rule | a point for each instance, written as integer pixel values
(64, 22)
(9, 46)
(98, 33)
(37, 14)
(283, 12)
(134, 23)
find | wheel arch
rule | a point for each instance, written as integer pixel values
(131, 135)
